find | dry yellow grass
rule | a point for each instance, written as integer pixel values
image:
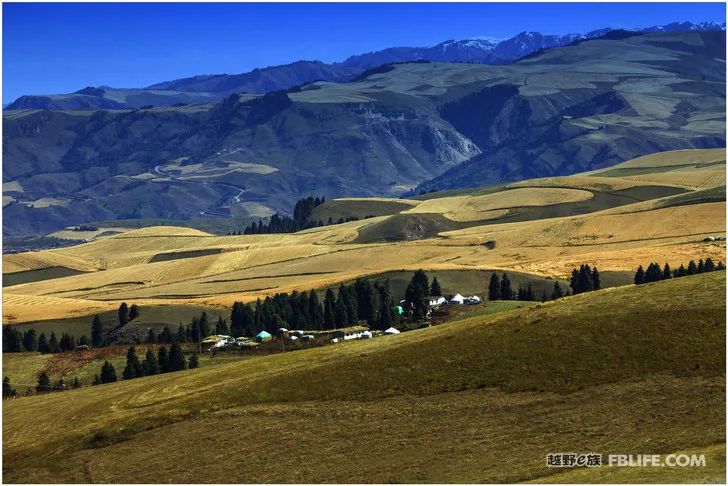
(70, 234)
(181, 265)
(588, 183)
(675, 157)
(489, 206)
(23, 308)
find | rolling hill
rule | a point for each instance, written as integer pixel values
(661, 209)
(625, 369)
(569, 109)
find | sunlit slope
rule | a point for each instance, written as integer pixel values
(542, 226)
(695, 169)
(448, 401)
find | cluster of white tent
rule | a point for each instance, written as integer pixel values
(458, 299)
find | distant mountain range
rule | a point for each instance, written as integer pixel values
(391, 130)
(211, 88)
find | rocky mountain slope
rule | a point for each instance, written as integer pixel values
(439, 125)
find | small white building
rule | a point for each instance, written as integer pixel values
(366, 335)
(473, 299)
(457, 299)
(391, 330)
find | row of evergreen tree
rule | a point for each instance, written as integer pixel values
(286, 224)
(654, 272)
(362, 300)
(585, 279)
(15, 341)
(163, 362)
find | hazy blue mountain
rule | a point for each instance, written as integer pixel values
(399, 128)
(207, 88)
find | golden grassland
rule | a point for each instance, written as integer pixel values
(174, 265)
(482, 399)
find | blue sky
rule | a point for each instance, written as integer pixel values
(62, 47)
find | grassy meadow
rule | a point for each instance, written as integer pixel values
(481, 399)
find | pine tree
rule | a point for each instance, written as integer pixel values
(596, 279)
(53, 343)
(420, 280)
(583, 282)
(133, 367)
(315, 312)
(176, 358)
(521, 294)
(30, 342)
(709, 267)
(494, 292)
(123, 314)
(701, 266)
(108, 373)
(435, 289)
(329, 304)
(682, 271)
(666, 271)
(12, 340)
(221, 327)
(639, 276)
(44, 382)
(574, 281)
(8, 390)
(97, 380)
(529, 293)
(204, 325)
(133, 312)
(150, 364)
(340, 316)
(43, 345)
(67, 342)
(163, 359)
(194, 363)
(720, 266)
(151, 337)
(385, 316)
(506, 290)
(97, 332)
(653, 273)
(84, 341)
(692, 268)
(557, 293)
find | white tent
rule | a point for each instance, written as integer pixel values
(435, 301)
(391, 330)
(457, 299)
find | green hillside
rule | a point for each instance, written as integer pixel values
(483, 399)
